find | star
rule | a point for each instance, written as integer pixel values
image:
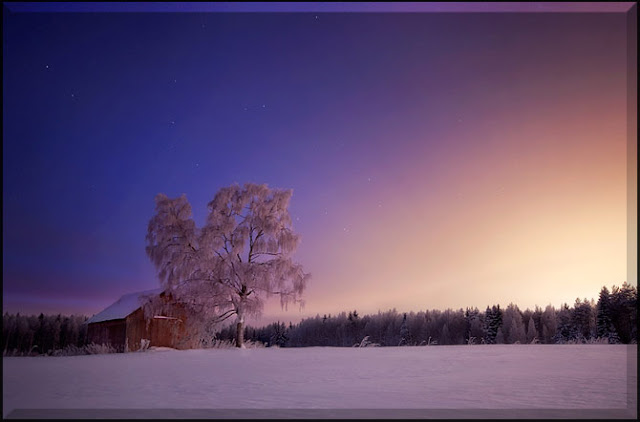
(316, 16)
(47, 66)
(172, 122)
(263, 106)
(369, 179)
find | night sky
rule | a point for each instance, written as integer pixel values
(437, 159)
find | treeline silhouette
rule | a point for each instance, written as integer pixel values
(613, 319)
(43, 334)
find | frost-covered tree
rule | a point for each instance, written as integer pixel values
(241, 256)
(512, 326)
(473, 326)
(549, 324)
(537, 319)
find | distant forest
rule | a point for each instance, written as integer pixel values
(613, 319)
(35, 335)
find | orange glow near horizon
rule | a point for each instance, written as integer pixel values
(541, 220)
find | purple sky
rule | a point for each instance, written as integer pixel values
(379, 122)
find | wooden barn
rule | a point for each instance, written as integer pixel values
(124, 326)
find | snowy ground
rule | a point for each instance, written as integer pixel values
(572, 381)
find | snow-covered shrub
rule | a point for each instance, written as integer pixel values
(366, 343)
(430, 342)
(98, 349)
(69, 350)
(230, 344)
(598, 340)
(250, 344)
(88, 349)
(144, 344)
(222, 344)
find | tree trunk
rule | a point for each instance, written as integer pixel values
(240, 327)
(240, 320)
(240, 334)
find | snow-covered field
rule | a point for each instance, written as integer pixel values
(585, 381)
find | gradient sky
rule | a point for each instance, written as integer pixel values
(437, 159)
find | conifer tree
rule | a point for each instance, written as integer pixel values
(404, 332)
(493, 321)
(564, 331)
(532, 333)
(603, 315)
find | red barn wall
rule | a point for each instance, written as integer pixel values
(108, 332)
(136, 330)
(165, 332)
(170, 332)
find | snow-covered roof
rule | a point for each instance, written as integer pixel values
(124, 306)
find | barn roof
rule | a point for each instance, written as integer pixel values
(124, 306)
